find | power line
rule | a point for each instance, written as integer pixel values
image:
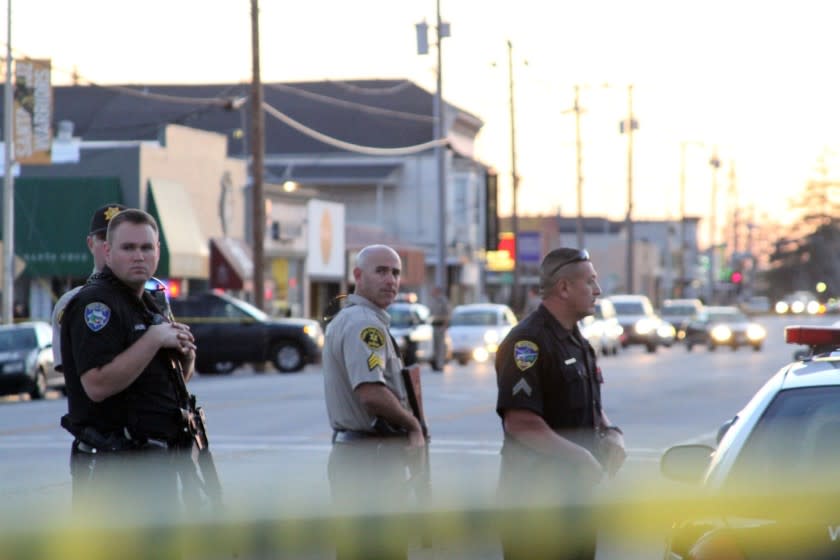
(366, 150)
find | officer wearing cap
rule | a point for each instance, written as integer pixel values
(96, 246)
(558, 439)
(119, 355)
(375, 431)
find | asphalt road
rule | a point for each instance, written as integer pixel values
(271, 440)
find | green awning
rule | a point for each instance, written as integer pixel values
(52, 217)
(184, 251)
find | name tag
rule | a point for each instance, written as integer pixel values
(140, 327)
(570, 361)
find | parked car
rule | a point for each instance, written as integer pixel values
(602, 328)
(477, 329)
(411, 327)
(797, 303)
(26, 360)
(679, 312)
(723, 326)
(774, 467)
(640, 324)
(230, 332)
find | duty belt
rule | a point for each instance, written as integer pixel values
(150, 444)
(351, 436)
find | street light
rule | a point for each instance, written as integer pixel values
(438, 132)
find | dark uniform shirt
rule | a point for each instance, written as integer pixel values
(545, 368)
(101, 322)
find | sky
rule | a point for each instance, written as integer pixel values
(753, 82)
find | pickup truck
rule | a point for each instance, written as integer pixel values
(230, 332)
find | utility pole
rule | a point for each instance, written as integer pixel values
(628, 127)
(733, 204)
(8, 183)
(440, 157)
(579, 165)
(257, 160)
(515, 183)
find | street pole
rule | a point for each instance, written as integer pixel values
(715, 163)
(257, 161)
(683, 241)
(629, 220)
(515, 183)
(439, 131)
(579, 166)
(8, 182)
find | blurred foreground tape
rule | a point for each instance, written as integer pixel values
(801, 525)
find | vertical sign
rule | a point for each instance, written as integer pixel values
(32, 112)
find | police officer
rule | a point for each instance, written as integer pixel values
(119, 358)
(557, 436)
(375, 433)
(96, 246)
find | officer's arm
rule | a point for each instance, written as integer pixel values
(115, 376)
(530, 430)
(378, 400)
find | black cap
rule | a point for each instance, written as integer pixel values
(100, 219)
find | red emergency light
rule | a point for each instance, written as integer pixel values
(812, 336)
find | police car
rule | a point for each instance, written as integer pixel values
(775, 474)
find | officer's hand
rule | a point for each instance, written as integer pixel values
(613, 452)
(589, 468)
(416, 439)
(174, 335)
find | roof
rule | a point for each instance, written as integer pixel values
(376, 113)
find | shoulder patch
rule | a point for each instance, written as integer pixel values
(97, 315)
(373, 338)
(525, 354)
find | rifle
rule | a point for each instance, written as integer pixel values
(420, 469)
(205, 477)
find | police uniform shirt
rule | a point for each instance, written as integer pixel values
(57, 315)
(551, 371)
(102, 321)
(358, 349)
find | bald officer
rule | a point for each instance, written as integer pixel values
(375, 434)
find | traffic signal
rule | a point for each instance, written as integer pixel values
(736, 277)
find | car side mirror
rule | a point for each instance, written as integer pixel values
(686, 463)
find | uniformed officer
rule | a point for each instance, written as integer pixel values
(375, 433)
(119, 357)
(557, 436)
(96, 246)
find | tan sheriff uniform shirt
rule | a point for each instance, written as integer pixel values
(358, 349)
(57, 314)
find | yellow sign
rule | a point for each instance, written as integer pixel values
(499, 261)
(32, 113)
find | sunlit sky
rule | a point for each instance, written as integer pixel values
(757, 80)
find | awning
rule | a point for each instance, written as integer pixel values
(52, 218)
(183, 249)
(231, 264)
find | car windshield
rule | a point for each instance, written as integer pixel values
(462, 318)
(400, 317)
(796, 439)
(249, 309)
(677, 310)
(17, 339)
(727, 316)
(629, 308)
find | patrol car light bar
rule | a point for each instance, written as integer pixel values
(813, 336)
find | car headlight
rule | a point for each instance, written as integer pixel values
(813, 307)
(721, 333)
(666, 330)
(312, 330)
(756, 332)
(797, 307)
(480, 355)
(491, 337)
(782, 307)
(14, 367)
